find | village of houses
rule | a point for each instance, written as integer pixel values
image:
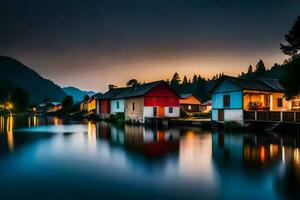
(233, 99)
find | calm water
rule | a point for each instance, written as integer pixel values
(40, 158)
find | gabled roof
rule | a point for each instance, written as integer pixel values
(139, 90)
(97, 96)
(262, 84)
(112, 93)
(184, 96)
(209, 102)
(187, 95)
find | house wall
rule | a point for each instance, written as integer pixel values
(235, 110)
(206, 108)
(161, 95)
(148, 111)
(138, 113)
(229, 115)
(92, 104)
(236, 100)
(190, 107)
(105, 106)
(233, 115)
(286, 105)
(114, 108)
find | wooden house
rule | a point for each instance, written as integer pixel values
(91, 105)
(149, 100)
(105, 106)
(206, 107)
(233, 97)
(189, 103)
(49, 106)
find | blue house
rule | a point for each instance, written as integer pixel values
(232, 96)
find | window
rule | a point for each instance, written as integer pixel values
(279, 102)
(154, 111)
(170, 109)
(132, 106)
(190, 107)
(226, 100)
(118, 104)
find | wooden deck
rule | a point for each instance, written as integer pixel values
(272, 116)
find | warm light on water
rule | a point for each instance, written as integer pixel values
(101, 160)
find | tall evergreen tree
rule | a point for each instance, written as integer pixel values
(260, 67)
(175, 82)
(250, 69)
(185, 80)
(292, 48)
(290, 79)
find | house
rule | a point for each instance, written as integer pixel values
(149, 100)
(232, 96)
(91, 104)
(105, 106)
(117, 104)
(49, 107)
(206, 106)
(189, 103)
(84, 105)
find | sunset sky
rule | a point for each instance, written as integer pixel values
(90, 44)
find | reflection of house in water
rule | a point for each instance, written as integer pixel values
(6, 133)
(257, 162)
(138, 138)
(151, 142)
(40, 121)
(195, 157)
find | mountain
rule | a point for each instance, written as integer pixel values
(77, 94)
(14, 74)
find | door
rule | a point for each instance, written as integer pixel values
(161, 111)
(220, 115)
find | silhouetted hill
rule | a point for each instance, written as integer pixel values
(77, 94)
(14, 74)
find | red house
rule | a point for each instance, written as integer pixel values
(150, 100)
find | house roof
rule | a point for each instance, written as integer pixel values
(209, 102)
(139, 90)
(184, 96)
(112, 93)
(262, 84)
(97, 96)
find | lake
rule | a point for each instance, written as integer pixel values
(47, 158)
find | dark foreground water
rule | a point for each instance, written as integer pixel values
(42, 159)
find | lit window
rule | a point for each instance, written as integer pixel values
(190, 107)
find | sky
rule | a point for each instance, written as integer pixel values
(90, 44)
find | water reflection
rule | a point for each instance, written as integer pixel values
(138, 138)
(179, 162)
(9, 123)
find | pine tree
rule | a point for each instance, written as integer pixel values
(260, 68)
(250, 69)
(292, 48)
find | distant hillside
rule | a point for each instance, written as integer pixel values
(76, 93)
(14, 74)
